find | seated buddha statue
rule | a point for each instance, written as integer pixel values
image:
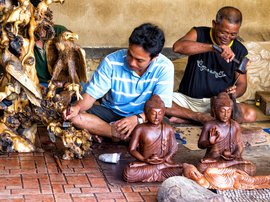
(222, 139)
(153, 145)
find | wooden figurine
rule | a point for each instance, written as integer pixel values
(77, 142)
(43, 8)
(153, 144)
(20, 15)
(66, 63)
(20, 26)
(11, 141)
(222, 139)
(225, 178)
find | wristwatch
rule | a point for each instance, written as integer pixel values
(139, 119)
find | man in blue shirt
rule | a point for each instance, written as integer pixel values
(125, 80)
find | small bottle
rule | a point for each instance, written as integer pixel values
(258, 102)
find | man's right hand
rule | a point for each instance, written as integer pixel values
(73, 111)
(227, 53)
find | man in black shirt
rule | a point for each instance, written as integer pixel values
(209, 72)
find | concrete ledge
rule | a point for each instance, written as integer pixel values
(98, 53)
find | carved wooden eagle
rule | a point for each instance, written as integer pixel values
(66, 62)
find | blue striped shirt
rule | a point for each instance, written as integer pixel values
(125, 91)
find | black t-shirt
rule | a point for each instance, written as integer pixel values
(208, 74)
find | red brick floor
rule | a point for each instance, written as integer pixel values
(36, 177)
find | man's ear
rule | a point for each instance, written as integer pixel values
(153, 59)
(214, 23)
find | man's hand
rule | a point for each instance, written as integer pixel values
(125, 126)
(71, 112)
(231, 90)
(227, 53)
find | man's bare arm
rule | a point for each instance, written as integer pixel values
(187, 45)
(82, 105)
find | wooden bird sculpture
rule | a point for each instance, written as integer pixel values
(66, 63)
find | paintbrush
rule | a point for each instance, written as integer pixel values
(67, 124)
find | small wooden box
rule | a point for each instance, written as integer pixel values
(262, 99)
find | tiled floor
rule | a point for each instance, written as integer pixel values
(36, 177)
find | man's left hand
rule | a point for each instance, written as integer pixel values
(231, 90)
(125, 126)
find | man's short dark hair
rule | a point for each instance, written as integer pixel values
(149, 37)
(233, 15)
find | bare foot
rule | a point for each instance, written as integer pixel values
(178, 120)
(204, 117)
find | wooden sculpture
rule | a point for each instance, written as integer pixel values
(23, 15)
(21, 41)
(222, 139)
(16, 78)
(20, 93)
(77, 142)
(5, 5)
(11, 141)
(20, 15)
(225, 178)
(153, 144)
(43, 7)
(66, 62)
(19, 83)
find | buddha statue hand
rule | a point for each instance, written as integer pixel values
(154, 159)
(213, 135)
(227, 155)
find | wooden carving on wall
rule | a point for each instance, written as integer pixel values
(21, 100)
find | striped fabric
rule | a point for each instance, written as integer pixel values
(126, 92)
